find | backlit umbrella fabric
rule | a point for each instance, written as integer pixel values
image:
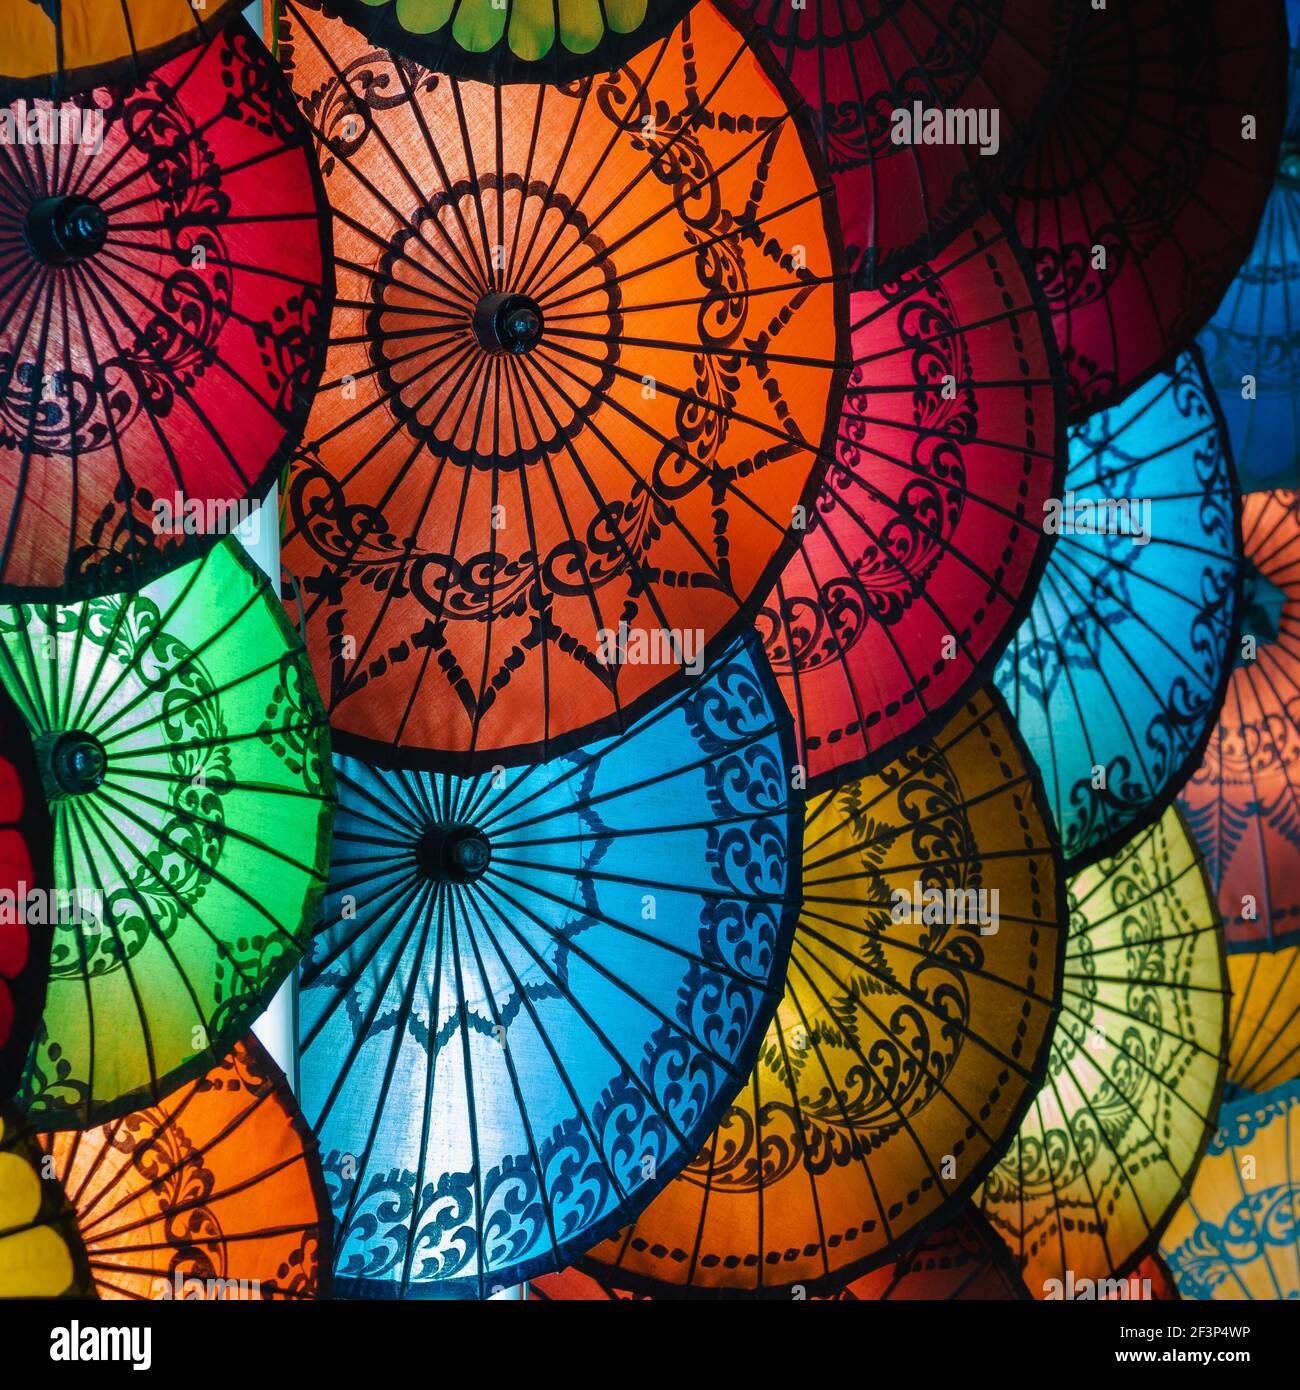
(1143, 194)
(1243, 801)
(1117, 674)
(41, 1253)
(214, 1193)
(962, 1260)
(1252, 343)
(926, 544)
(164, 290)
(1236, 1236)
(54, 48)
(922, 110)
(512, 40)
(26, 876)
(582, 372)
(184, 753)
(912, 1032)
(1108, 1147)
(535, 990)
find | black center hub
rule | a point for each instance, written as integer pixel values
(72, 764)
(508, 323)
(453, 853)
(64, 230)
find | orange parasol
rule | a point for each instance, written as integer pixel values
(1243, 803)
(583, 366)
(214, 1193)
(963, 1260)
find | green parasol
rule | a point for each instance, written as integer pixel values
(183, 750)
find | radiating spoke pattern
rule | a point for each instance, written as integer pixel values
(926, 544)
(913, 1030)
(584, 367)
(513, 40)
(54, 48)
(535, 990)
(164, 288)
(213, 1193)
(1108, 1147)
(1243, 801)
(904, 188)
(41, 1253)
(1252, 344)
(1118, 672)
(1236, 1237)
(962, 1260)
(1143, 195)
(184, 751)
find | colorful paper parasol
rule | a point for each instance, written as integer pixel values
(1109, 1145)
(25, 865)
(1243, 802)
(923, 110)
(1142, 197)
(536, 990)
(1236, 1236)
(581, 372)
(184, 751)
(913, 1030)
(926, 544)
(214, 1193)
(164, 293)
(1117, 675)
(41, 1254)
(511, 40)
(54, 48)
(963, 1260)
(1251, 343)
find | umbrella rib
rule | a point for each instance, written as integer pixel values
(521, 994)
(541, 268)
(659, 943)
(396, 162)
(210, 871)
(629, 1073)
(707, 759)
(914, 996)
(364, 647)
(29, 439)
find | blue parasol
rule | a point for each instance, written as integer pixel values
(1118, 672)
(537, 989)
(1252, 344)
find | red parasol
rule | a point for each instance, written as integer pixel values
(1144, 193)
